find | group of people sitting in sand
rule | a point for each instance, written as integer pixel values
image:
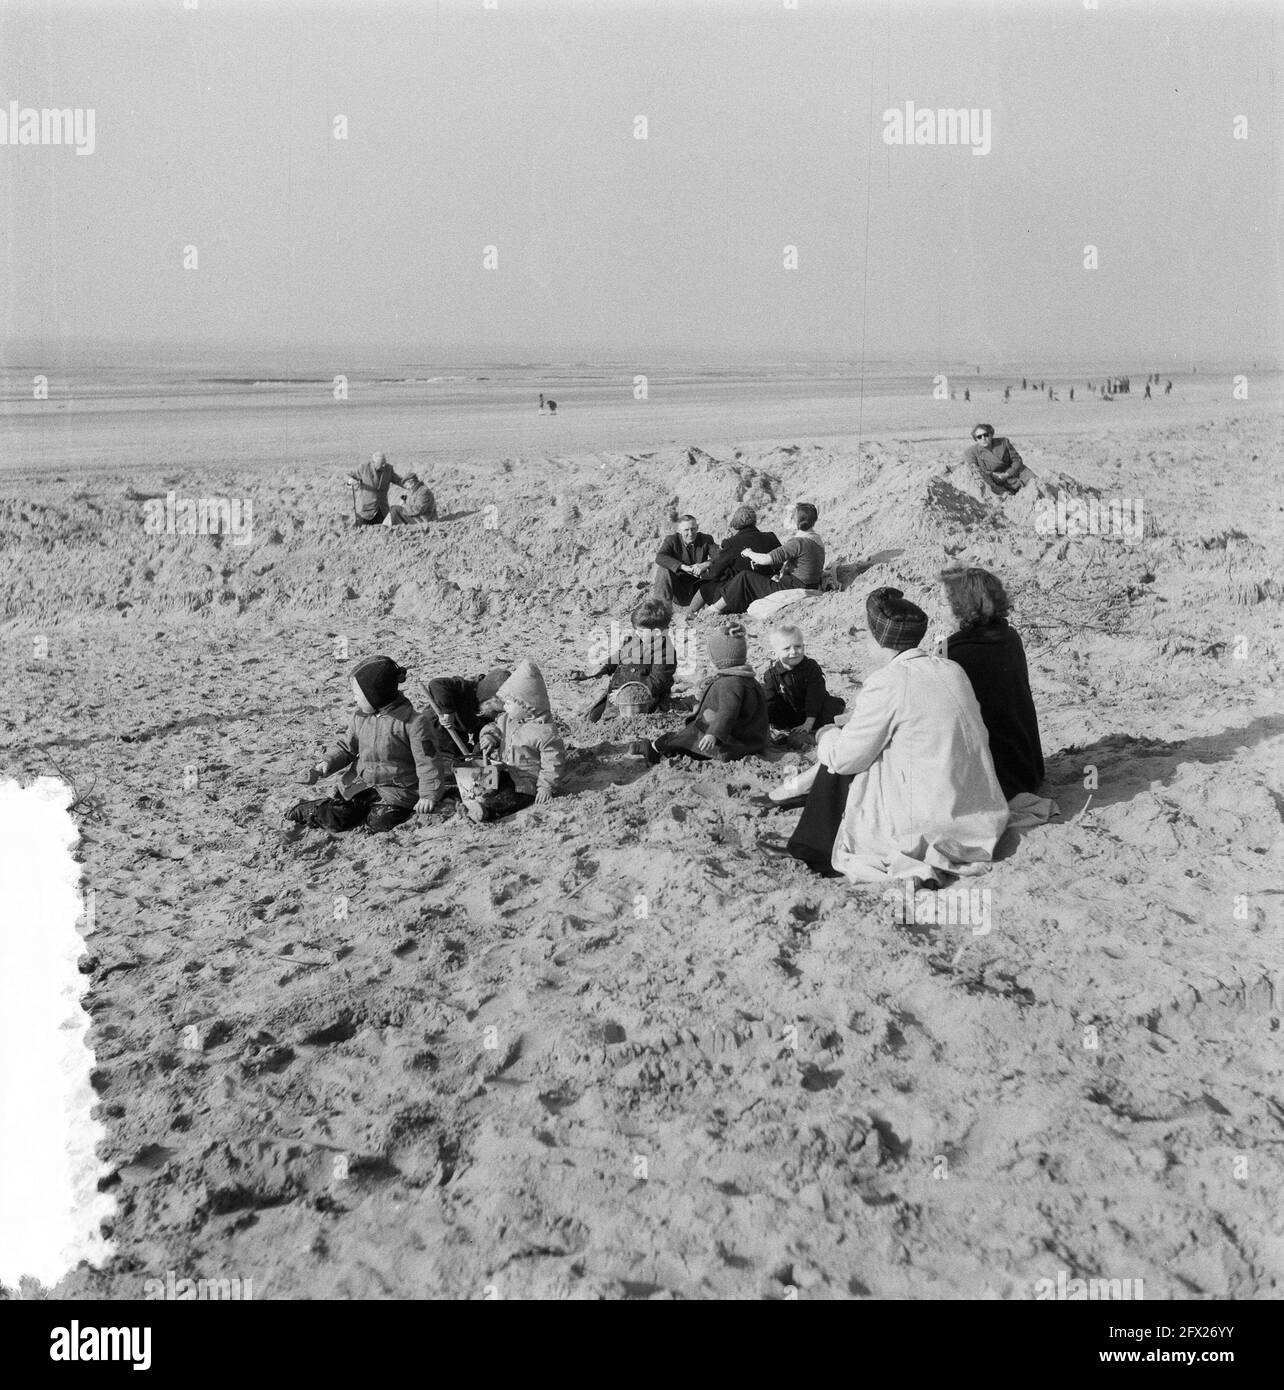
(918, 779)
(370, 484)
(693, 570)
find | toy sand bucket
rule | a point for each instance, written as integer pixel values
(475, 777)
(633, 698)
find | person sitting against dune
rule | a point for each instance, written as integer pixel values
(730, 721)
(996, 461)
(387, 756)
(682, 561)
(991, 654)
(906, 789)
(643, 668)
(372, 481)
(418, 508)
(798, 564)
(525, 740)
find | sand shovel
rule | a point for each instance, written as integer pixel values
(464, 750)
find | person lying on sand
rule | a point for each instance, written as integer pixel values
(643, 668)
(907, 788)
(730, 721)
(995, 458)
(993, 658)
(387, 757)
(525, 740)
(372, 481)
(798, 564)
(682, 561)
(797, 697)
(419, 507)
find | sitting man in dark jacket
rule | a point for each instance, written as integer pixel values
(996, 460)
(730, 560)
(682, 561)
(991, 654)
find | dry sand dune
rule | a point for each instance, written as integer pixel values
(613, 1047)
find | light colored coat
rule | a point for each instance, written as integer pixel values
(925, 796)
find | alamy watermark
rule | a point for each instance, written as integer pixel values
(1062, 515)
(172, 1288)
(962, 125)
(1075, 1290)
(200, 516)
(954, 907)
(48, 125)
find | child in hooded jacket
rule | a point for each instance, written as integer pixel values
(526, 741)
(730, 721)
(387, 756)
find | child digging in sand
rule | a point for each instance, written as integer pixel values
(643, 668)
(731, 719)
(525, 740)
(387, 754)
(797, 697)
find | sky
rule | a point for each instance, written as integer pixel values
(514, 127)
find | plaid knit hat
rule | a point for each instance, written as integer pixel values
(894, 621)
(379, 678)
(728, 646)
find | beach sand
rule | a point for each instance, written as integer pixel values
(613, 1047)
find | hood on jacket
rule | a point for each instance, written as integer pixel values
(527, 684)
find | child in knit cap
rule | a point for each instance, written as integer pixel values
(525, 740)
(389, 763)
(796, 694)
(731, 719)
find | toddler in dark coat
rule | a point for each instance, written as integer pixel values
(797, 697)
(731, 719)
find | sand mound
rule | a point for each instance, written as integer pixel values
(618, 1048)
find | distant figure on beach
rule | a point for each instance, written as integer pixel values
(372, 481)
(1168, 389)
(996, 460)
(682, 561)
(1007, 393)
(967, 395)
(418, 508)
(1072, 393)
(541, 400)
(1023, 383)
(1148, 390)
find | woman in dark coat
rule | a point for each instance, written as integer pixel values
(991, 654)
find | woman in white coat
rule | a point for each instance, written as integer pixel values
(907, 788)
